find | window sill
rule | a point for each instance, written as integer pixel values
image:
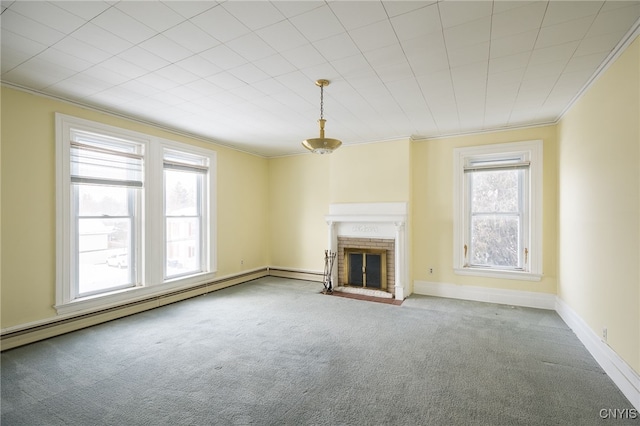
(497, 273)
(130, 295)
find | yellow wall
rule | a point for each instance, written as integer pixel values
(28, 203)
(303, 186)
(433, 209)
(0, 208)
(299, 200)
(599, 206)
(376, 172)
(243, 211)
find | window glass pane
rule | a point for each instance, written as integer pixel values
(183, 245)
(181, 193)
(98, 200)
(183, 218)
(494, 240)
(104, 248)
(495, 191)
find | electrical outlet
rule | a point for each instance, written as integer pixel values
(604, 333)
(430, 271)
(241, 262)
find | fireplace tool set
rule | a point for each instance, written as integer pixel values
(329, 258)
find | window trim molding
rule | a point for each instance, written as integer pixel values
(151, 275)
(533, 149)
(65, 294)
(208, 260)
(130, 295)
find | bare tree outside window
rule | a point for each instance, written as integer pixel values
(495, 218)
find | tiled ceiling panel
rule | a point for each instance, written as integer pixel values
(242, 73)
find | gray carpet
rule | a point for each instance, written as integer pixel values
(277, 352)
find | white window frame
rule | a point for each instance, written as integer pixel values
(136, 212)
(150, 250)
(203, 205)
(532, 152)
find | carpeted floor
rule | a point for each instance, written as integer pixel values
(277, 352)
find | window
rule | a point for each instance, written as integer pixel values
(184, 197)
(133, 215)
(498, 206)
(106, 181)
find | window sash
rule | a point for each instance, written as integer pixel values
(521, 214)
(473, 244)
(198, 167)
(133, 200)
(103, 160)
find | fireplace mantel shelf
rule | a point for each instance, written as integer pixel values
(366, 218)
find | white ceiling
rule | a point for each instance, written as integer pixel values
(242, 73)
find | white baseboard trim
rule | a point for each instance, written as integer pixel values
(23, 334)
(298, 274)
(627, 380)
(624, 377)
(527, 299)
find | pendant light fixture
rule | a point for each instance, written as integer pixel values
(321, 145)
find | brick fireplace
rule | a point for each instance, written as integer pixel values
(377, 246)
(373, 229)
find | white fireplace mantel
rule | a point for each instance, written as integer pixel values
(373, 220)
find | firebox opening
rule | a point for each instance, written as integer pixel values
(365, 268)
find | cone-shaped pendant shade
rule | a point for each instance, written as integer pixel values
(321, 145)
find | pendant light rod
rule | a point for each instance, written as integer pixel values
(322, 84)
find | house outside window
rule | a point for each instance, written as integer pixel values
(498, 210)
